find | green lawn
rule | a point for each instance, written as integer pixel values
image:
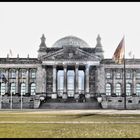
(78, 130)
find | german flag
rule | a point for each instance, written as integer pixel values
(118, 56)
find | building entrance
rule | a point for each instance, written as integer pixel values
(70, 83)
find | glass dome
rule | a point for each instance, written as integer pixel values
(70, 41)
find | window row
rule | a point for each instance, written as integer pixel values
(22, 88)
(22, 73)
(118, 89)
(119, 75)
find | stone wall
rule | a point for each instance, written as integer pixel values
(118, 102)
(100, 80)
(28, 102)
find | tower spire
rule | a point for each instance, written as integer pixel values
(98, 41)
(43, 39)
(98, 48)
(42, 47)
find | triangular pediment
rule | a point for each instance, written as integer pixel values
(70, 53)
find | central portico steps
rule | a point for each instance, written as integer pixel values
(70, 104)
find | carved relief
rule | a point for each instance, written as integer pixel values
(71, 53)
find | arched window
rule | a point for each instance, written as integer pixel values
(33, 88)
(13, 88)
(138, 89)
(23, 89)
(128, 89)
(108, 89)
(118, 89)
(3, 88)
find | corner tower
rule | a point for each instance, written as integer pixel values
(42, 47)
(98, 48)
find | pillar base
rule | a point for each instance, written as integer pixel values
(54, 96)
(76, 96)
(64, 96)
(87, 95)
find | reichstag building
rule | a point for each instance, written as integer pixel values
(68, 75)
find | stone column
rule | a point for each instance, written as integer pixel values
(134, 82)
(113, 84)
(87, 79)
(76, 78)
(27, 80)
(65, 78)
(54, 78)
(44, 79)
(7, 83)
(17, 81)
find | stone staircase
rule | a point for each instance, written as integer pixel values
(70, 104)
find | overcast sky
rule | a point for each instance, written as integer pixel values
(23, 23)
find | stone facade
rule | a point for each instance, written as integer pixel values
(70, 74)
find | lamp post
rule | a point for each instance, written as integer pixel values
(21, 100)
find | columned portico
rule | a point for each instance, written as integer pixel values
(70, 79)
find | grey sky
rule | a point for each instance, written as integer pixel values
(22, 24)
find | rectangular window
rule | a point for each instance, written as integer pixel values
(23, 74)
(119, 100)
(118, 75)
(2, 71)
(33, 73)
(13, 74)
(109, 100)
(138, 75)
(108, 75)
(128, 75)
(129, 101)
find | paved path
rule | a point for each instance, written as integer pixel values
(53, 111)
(65, 122)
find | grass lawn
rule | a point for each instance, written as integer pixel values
(102, 126)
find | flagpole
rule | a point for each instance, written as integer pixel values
(124, 81)
(11, 101)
